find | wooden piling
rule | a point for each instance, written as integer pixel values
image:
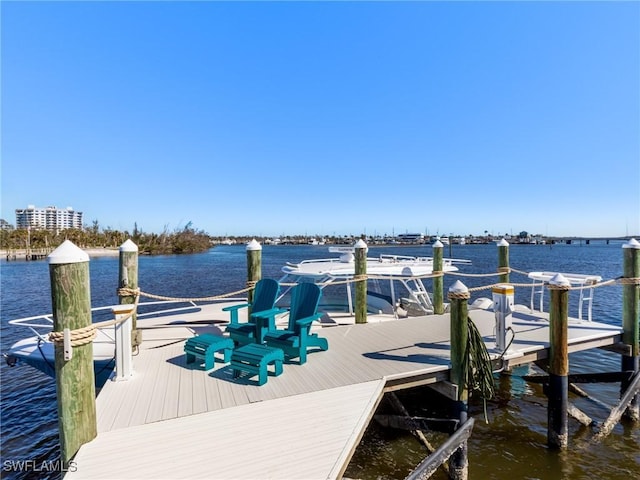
(254, 265)
(438, 282)
(361, 285)
(631, 320)
(558, 391)
(503, 261)
(459, 324)
(128, 278)
(71, 305)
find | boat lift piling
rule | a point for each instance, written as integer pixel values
(438, 279)
(631, 320)
(128, 279)
(254, 266)
(71, 306)
(558, 388)
(360, 272)
(459, 325)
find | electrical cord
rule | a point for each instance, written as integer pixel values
(477, 367)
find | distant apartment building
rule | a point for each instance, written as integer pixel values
(49, 218)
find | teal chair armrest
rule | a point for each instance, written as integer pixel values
(233, 309)
(305, 322)
(268, 313)
(265, 321)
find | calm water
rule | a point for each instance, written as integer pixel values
(511, 446)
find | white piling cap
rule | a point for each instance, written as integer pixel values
(253, 245)
(360, 244)
(67, 252)
(633, 243)
(559, 280)
(503, 243)
(458, 287)
(128, 246)
(438, 244)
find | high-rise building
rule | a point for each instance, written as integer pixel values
(49, 218)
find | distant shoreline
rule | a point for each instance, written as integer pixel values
(102, 252)
(92, 252)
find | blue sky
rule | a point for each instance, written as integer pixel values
(271, 118)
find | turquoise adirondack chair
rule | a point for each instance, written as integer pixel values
(296, 339)
(264, 298)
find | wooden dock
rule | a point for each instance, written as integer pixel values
(173, 420)
(30, 254)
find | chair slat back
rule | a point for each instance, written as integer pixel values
(265, 294)
(305, 298)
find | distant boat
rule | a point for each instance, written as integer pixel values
(443, 240)
(411, 238)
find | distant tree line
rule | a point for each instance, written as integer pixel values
(181, 240)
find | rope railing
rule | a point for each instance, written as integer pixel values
(82, 336)
(85, 335)
(502, 270)
(128, 291)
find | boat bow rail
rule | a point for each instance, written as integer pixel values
(44, 322)
(408, 271)
(586, 285)
(38, 349)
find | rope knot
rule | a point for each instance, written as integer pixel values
(80, 336)
(459, 295)
(126, 292)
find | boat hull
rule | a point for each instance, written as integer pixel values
(40, 355)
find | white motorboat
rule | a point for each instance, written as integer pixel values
(160, 323)
(395, 284)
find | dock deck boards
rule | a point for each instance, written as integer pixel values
(318, 431)
(155, 423)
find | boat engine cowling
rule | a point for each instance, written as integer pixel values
(10, 360)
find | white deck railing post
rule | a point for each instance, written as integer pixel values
(124, 354)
